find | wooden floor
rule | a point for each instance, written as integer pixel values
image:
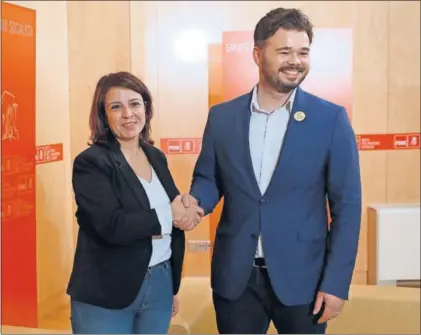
(60, 318)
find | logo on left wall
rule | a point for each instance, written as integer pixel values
(9, 114)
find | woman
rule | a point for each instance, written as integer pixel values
(128, 260)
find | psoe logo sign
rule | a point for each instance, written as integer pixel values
(9, 114)
(401, 141)
(414, 141)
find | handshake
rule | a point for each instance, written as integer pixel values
(186, 213)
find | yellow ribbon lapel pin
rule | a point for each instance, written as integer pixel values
(299, 116)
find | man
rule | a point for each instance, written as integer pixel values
(275, 155)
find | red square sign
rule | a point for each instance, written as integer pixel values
(414, 141)
(400, 141)
(188, 146)
(174, 146)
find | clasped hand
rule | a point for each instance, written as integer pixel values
(185, 212)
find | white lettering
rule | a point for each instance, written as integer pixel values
(239, 47)
(16, 28)
(4, 25)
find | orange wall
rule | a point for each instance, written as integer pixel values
(18, 265)
(99, 42)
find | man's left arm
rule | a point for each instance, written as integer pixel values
(344, 196)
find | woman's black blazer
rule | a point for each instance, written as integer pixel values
(116, 224)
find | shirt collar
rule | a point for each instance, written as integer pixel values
(254, 105)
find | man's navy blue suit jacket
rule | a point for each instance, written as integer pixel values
(319, 161)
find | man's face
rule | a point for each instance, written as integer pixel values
(284, 59)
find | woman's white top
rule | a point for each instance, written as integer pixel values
(159, 200)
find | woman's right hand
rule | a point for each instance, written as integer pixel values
(183, 215)
(175, 306)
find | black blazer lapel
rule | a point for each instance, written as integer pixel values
(130, 176)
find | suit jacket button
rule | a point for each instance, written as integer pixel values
(263, 201)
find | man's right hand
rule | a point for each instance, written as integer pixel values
(188, 200)
(192, 215)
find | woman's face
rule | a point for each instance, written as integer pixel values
(125, 112)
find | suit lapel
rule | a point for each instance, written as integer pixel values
(130, 176)
(242, 125)
(295, 132)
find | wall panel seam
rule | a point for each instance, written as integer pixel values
(388, 97)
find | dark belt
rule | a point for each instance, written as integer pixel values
(259, 263)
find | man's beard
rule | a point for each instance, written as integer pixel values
(284, 86)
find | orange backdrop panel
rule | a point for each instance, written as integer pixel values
(18, 228)
(232, 72)
(330, 76)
